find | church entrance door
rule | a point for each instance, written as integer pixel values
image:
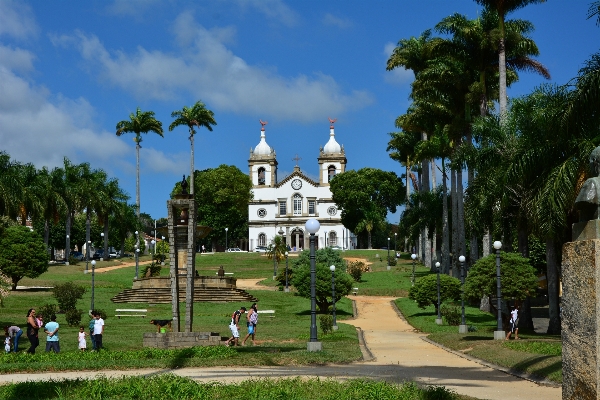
(297, 239)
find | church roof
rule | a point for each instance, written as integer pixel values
(332, 146)
(296, 174)
(263, 149)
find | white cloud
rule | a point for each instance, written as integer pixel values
(210, 71)
(16, 59)
(16, 20)
(397, 76)
(331, 20)
(273, 9)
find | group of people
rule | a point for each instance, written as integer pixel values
(251, 322)
(35, 322)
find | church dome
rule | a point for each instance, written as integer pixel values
(262, 149)
(332, 147)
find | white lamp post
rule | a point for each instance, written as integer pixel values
(395, 244)
(287, 288)
(67, 250)
(93, 273)
(137, 254)
(87, 255)
(312, 226)
(226, 229)
(102, 240)
(332, 269)
(499, 332)
(462, 328)
(438, 320)
(412, 280)
(388, 255)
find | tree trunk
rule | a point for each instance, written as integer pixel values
(486, 243)
(105, 244)
(502, 71)
(192, 163)
(137, 186)
(369, 237)
(455, 242)
(460, 211)
(68, 230)
(525, 319)
(445, 228)
(552, 277)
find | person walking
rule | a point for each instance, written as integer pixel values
(514, 323)
(234, 327)
(32, 331)
(15, 333)
(252, 321)
(91, 328)
(98, 330)
(51, 330)
(81, 342)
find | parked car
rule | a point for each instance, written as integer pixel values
(98, 254)
(77, 255)
(335, 247)
(261, 249)
(234, 250)
(113, 254)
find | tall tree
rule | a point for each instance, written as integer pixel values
(504, 7)
(196, 116)
(138, 123)
(111, 198)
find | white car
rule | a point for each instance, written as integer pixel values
(261, 249)
(235, 250)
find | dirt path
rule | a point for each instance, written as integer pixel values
(400, 354)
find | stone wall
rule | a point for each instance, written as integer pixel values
(200, 282)
(181, 340)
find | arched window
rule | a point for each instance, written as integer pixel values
(332, 239)
(261, 176)
(330, 172)
(262, 239)
(297, 204)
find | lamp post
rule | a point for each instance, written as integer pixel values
(67, 250)
(312, 226)
(102, 240)
(137, 251)
(499, 332)
(388, 255)
(287, 288)
(332, 269)
(87, 255)
(226, 230)
(412, 280)
(93, 273)
(438, 320)
(153, 242)
(395, 243)
(462, 328)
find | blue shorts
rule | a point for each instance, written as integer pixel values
(250, 329)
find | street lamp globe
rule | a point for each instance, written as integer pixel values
(332, 268)
(93, 263)
(437, 265)
(136, 232)
(413, 256)
(312, 226)
(497, 245)
(461, 259)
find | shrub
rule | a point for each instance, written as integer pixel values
(102, 313)
(67, 295)
(153, 268)
(73, 260)
(392, 261)
(326, 322)
(73, 317)
(425, 290)
(47, 310)
(451, 313)
(356, 269)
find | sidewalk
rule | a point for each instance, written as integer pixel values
(400, 354)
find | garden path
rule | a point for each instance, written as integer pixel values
(399, 354)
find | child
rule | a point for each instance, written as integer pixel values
(7, 343)
(40, 320)
(81, 338)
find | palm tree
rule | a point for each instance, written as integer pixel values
(111, 199)
(594, 11)
(10, 187)
(504, 7)
(198, 115)
(50, 184)
(140, 122)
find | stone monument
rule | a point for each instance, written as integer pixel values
(580, 309)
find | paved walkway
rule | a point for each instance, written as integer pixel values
(400, 354)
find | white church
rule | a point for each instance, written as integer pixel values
(282, 207)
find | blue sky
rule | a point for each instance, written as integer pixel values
(70, 70)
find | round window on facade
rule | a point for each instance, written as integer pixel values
(261, 212)
(332, 210)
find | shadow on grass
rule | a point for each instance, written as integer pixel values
(337, 313)
(529, 365)
(181, 358)
(41, 389)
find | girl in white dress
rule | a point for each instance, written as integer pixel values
(81, 339)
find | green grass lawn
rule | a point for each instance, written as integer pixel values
(536, 354)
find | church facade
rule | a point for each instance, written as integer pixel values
(282, 207)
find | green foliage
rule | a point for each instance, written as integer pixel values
(130, 245)
(154, 269)
(355, 269)
(47, 310)
(162, 247)
(451, 313)
(392, 261)
(73, 317)
(277, 248)
(169, 386)
(425, 290)
(4, 288)
(22, 254)
(326, 256)
(326, 323)
(518, 278)
(343, 284)
(67, 294)
(538, 347)
(102, 313)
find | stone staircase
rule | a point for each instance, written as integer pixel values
(163, 295)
